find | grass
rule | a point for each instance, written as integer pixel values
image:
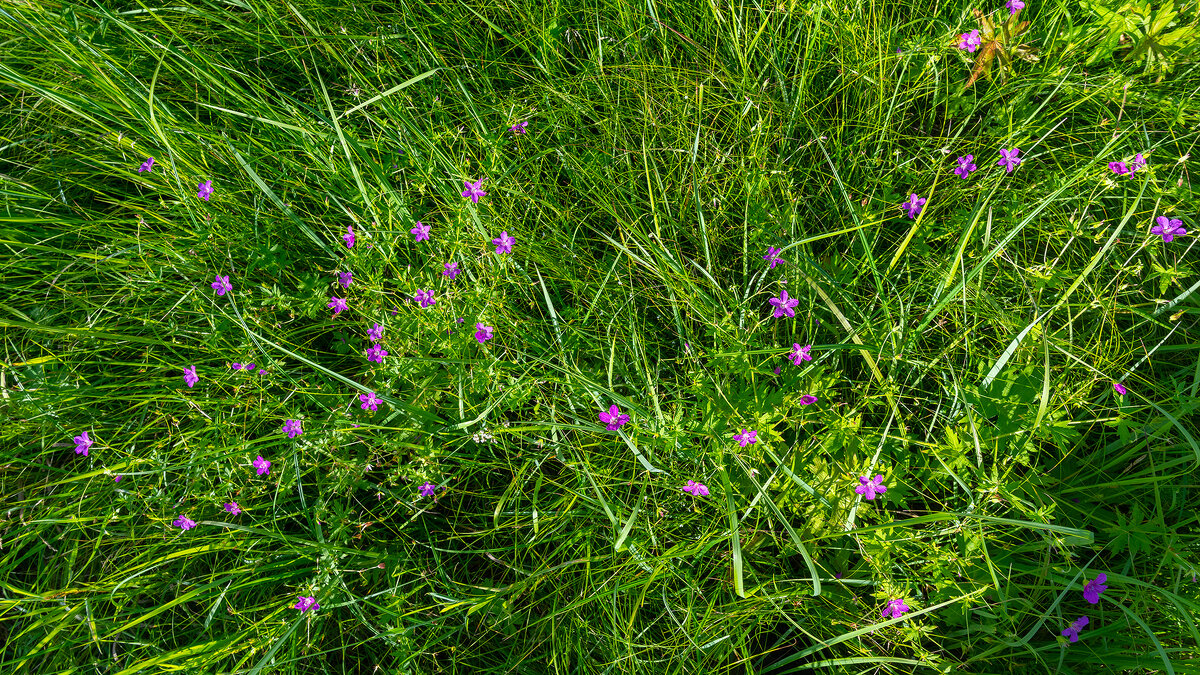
(966, 355)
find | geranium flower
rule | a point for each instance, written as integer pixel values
(970, 41)
(1072, 632)
(205, 190)
(344, 278)
(1120, 388)
(697, 489)
(306, 603)
(1009, 159)
(800, 353)
(369, 401)
(427, 489)
(914, 205)
(376, 353)
(376, 333)
(770, 257)
(613, 418)
(424, 298)
(184, 523)
(222, 285)
(519, 128)
(895, 609)
(1014, 6)
(233, 508)
(147, 165)
(420, 232)
(484, 333)
(473, 190)
(263, 466)
(82, 444)
(338, 305)
(292, 428)
(504, 243)
(746, 437)
(349, 236)
(1093, 588)
(451, 270)
(808, 399)
(1168, 229)
(783, 306)
(190, 376)
(870, 488)
(965, 166)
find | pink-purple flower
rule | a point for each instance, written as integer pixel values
(82, 444)
(1072, 632)
(205, 190)
(369, 402)
(519, 128)
(746, 437)
(375, 333)
(1014, 6)
(147, 165)
(349, 236)
(427, 489)
(344, 278)
(966, 165)
(895, 609)
(1118, 168)
(306, 603)
(1009, 159)
(800, 353)
(1120, 388)
(504, 243)
(263, 466)
(451, 270)
(970, 41)
(783, 306)
(292, 428)
(233, 508)
(613, 418)
(473, 190)
(1168, 229)
(483, 333)
(914, 205)
(770, 257)
(190, 376)
(222, 285)
(338, 305)
(184, 523)
(421, 231)
(870, 488)
(808, 399)
(424, 298)
(697, 489)
(1093, 588)
(1137, 163)
(376, 353)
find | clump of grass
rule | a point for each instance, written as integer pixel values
(770, 346)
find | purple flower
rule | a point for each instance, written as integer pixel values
(1168, 229)
(83, 444)
(427, 489)
(808, 399)
(914, 205)
(236, 366)
(473, 190)
(345, 278)
(424, 298)
(184, 523)
(205, 190)
(783, 306)
(349, 236)
(770, 257)
(484, 333)
(222, 285)
(376, 353)
(233, 508)
(451, 270)
(1072, 632)
(1118, 168)
(800, 353)
(965, 166)
(263, 466)
(190, 376)
(337, 304)
(420, 232)
(1009, 159)
(1120, 388)
(147, 165)
(970, 41)
(1137, 163)
(895, 609)
(504, 243)
(613, 418)
(376, 333)
(1093, 588)
(262, 371)
(306, 603)
(369, 401)
(697, 489)
(117, 479)
(519, 128)
(868, 488)
(249, 366)
(746, 437)
(1014, 6)
(292, 428)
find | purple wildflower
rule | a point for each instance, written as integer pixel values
(147, 165)
(249, 366)
(970, 41)
(349, 236)
(1072, 632)
(1009, 159)
(184, 523)
(697, 489)
(1168, 229)
(914, 205)
(233, 508)
(1120, 388)
(895, 609)
(484, 333)
(337, 304)
(770, 257)
(376, 353)
(369, 401)
(263, 466)
(800, 353)
(1118, 168)
(1014, 6)
(205, 190)
(376, 333)
(473, 190)
(427, 489)
(421, 232)
(306, 603)
(808, 399)
(236, 366)
(1137, 163)
(519, 128)
(424, 298)
(222, 285)
(613, 418)
(870, 488)
(83, 444)
(1093, 588)
(292, 428)
(504, 243)
(783, 306)
(965, 166)
(190, 376)
(746, 437)
(451, 270)
(345, 278)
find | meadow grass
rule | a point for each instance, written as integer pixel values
(484, 518)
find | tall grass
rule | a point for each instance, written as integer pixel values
(967, 355)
